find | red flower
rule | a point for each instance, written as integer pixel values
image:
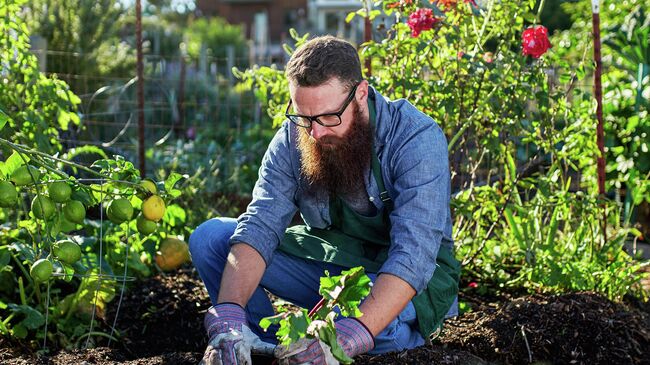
(421, 20)
(473, 284)
(535, 41)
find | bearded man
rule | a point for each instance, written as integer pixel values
(371, 180)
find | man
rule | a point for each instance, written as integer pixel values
(371, 180)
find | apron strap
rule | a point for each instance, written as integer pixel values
(376, 167)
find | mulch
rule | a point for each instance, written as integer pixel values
(160, 322)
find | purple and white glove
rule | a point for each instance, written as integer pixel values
(352, 335)
(231, 341)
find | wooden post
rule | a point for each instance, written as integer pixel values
(367, 36)
(140, 74)
(598, 92)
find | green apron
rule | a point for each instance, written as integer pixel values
(357, 240)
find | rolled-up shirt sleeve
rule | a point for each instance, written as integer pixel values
(419, 170)
(273, 205)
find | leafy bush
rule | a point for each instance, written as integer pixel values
(84, 36)
(215, 35)
(33, 105)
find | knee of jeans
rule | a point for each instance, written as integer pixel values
(210, 239)
(397, 336)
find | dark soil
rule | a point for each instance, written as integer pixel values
(160, 322)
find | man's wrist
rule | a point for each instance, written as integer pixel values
(229, 303)
(354, 337)
(224, 317)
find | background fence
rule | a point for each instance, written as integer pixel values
(185, 98)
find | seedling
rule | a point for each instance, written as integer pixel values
(343, 292)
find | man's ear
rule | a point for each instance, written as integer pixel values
(362, 92)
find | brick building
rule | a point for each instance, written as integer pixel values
(274, 16)
(267, 22)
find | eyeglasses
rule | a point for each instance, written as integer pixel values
(326, 120)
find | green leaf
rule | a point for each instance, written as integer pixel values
(79, 267)
(5, 256)
(553, 227)
(328, 335)
(293, 327)
(19, 331)
(26, 251)
(54, 226)
(294, 33)
(346, 290)
(33, 318)
(175, 215)
(67, 270)
(4, 118)
(173, 178)
(514, 227)
(266, 322)
(374, 14)
(13, 162)
(530, 17)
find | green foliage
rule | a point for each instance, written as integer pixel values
(344, 291)
(347, 290)
(214, 35)
(626, 89)
(269, 84)
(32, 111)
(33, 106)
(110, 252)
(224, 171)
(161, 37)
(81, 287)
(88, 28)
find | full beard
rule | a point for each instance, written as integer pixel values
(340, 168)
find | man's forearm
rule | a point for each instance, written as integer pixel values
(388, 297)
(242, 274)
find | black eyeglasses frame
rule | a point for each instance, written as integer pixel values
(296, 118)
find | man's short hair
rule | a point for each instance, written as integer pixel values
(320, 59)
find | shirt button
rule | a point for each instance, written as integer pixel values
(372, 199)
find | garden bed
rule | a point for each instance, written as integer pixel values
(160, 322)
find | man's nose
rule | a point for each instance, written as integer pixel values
(317, 131)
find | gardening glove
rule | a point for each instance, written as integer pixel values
(352, 335)
(231, 341)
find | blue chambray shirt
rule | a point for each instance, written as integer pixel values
(412, 150)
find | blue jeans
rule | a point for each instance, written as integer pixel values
(289, 277)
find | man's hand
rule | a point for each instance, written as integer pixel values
(231, 341)
(353, 337)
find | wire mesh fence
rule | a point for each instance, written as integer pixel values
(101, 276)
(183, 98)
(187, 97)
